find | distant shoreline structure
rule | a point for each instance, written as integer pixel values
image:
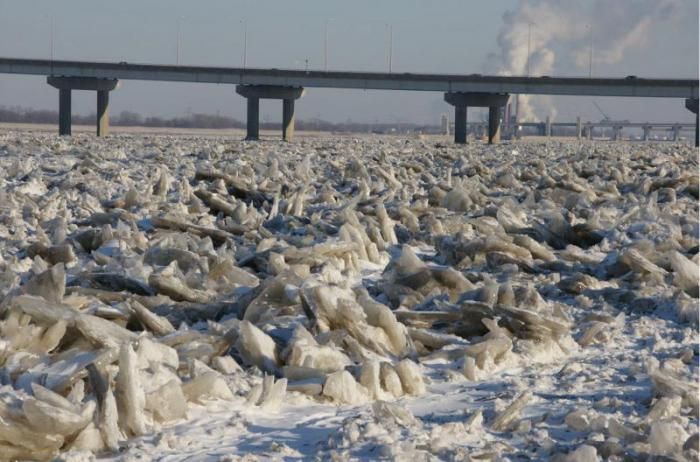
(23, 115)
(129, 121)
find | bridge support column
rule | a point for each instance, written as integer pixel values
(66, 85)
(494, 125)
(647, 132)
(616, 133)
(64, 111)
(102, 113)
(253, 119)
(254, 93)
(460, 124)
(461, 101)
(676, 132)
(578, 128)
(692, 105)
(548, 127)
(287, 119)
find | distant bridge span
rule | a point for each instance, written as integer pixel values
(460, 91)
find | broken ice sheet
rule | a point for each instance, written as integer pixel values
(357, 295)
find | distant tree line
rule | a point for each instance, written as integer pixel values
(16, 114)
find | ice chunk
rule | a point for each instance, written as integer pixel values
(578, 420)
(457, 200)
(666, 438)
(469, 369)
(507, 417)
(408, 267)
(665, 408)
(51, 284)
(369, 378)
(341, 387)
(497, 347)
(381, 316)
(89, 439)
(210, 385)
(43, 312)
(666, 385)
(107, 415)
(149, 352)
(130, 393)
(167, 402)
(304, 351)
(387, 225)
(159, 325)
(102, 332)
(411, 377)
(273, 393)
(51, 337)
(385, 412)
(46, 418)
(391, 381)
(536, 249)
(583, 453)
(54, 399)
(226, 365)
(685, 274)
(639, 263)
(257, 348)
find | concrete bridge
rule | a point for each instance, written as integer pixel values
(586, 129)
(460, 91)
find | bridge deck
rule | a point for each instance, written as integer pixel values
(636, 87)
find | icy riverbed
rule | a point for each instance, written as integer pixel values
(191, 298)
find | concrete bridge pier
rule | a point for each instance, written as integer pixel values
(548, 127)
(254, 93)
(66, 85)
(647, 132)
(676, 132)
(691, 104)
(460, 124)
(578, 128)
(616, 133)
(461, 101)
(494, 124)
(589, 131)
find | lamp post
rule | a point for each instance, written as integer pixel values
(177, 41)
(391, 44)
(590, 53)
(245, 42)
(51, 37)
(325, 46)
(529, 36)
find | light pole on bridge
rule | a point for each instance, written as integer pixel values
(245, 42)
(325, 45)
(390, 51)
(529, 36)
(177, 40)
(590, 52)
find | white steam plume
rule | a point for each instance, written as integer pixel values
(560, 38)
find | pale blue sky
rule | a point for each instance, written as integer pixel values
(451, 36)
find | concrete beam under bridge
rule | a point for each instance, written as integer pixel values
(254, 93)
(66, 85)
(691, 104)
(462, 100)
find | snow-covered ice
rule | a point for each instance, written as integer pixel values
(200, 298)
